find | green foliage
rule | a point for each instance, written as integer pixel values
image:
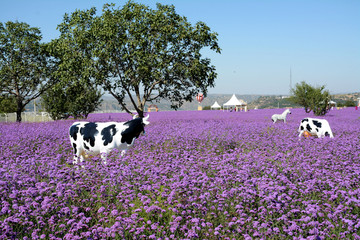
(7, 104)
(274, 102)
(74, 100)
(314, 99)
(24, 63)
(347, 103)
(302, 95)
(143, 53)
(76, 94)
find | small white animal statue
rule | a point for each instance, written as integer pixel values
(102, 137)
(282, 116)
(315, 127)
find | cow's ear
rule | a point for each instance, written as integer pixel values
(145, 120)
(135, 116)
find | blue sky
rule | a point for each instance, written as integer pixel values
(261, 40)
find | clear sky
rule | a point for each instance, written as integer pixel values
(261, 40)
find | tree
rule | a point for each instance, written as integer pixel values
(7, 104)
(74, 100)
(145, 54)
(76, 94)
(24, 64)
(350, 103)
(314, 99)
(320, 101)
(300, 95)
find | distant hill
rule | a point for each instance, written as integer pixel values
(272, 102)
(342, 99)
(109, 103)
(282, 101)
(253, 101)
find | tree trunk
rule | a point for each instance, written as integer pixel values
(19, 110)
(141, 113)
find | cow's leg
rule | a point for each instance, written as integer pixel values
(83, 156)
(123, 153)
(301, 133)
(75, 159)
(328, 133)
(77, 153)
(104, 157)
(320, 134)
(80, 155)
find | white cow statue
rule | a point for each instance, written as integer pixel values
(315, 127)
(282, 116)
(102, 137)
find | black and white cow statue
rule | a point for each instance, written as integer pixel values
(102, 137)
(315, 127)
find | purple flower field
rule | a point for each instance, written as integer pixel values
(198, 174)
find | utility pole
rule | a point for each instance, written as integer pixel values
(290, 81)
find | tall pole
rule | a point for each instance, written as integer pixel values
(290, 81)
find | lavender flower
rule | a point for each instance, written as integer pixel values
(203, 174)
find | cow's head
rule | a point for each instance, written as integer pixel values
(144, 123)
(145, 119)
(134, 128)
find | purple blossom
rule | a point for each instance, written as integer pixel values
(199, 174)
(101, 210)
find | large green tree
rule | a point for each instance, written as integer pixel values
(145, 54)
(314, 99)
(76, 94)
(24, 64)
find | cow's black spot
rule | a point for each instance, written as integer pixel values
(301, 128)
(317, 123)
(74, 147)
(73, 131)
(86, 147)
(304, 120)
(327, 134)
(308, 127)
(108, 133)
(317, 130)
(89, 131)
(135, 127)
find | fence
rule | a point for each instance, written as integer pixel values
(26, 117)
(41, 116)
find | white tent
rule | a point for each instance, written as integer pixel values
(332, 104)
(236, 103)
(215, 105)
